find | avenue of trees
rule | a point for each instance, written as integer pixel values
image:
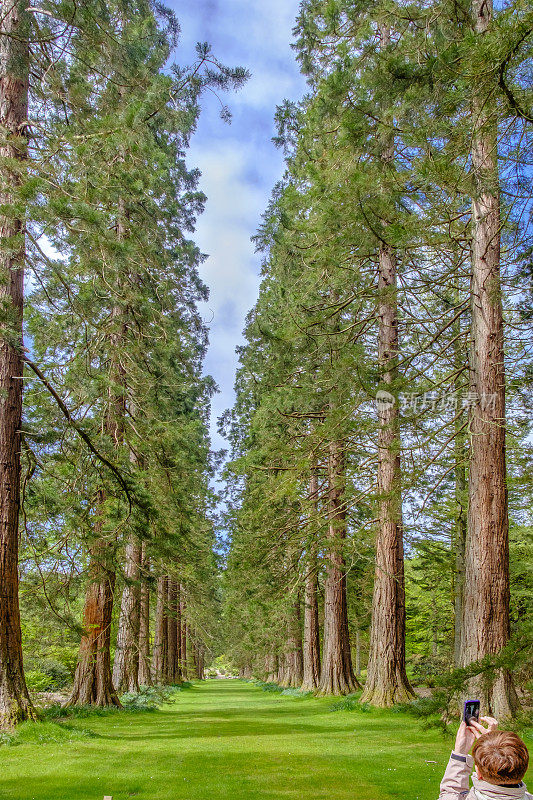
(104, 450)
(381, 466)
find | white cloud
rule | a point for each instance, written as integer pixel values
(239, 163)
(231, 271)
(234, 206)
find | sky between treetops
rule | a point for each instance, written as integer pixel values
(239, 162)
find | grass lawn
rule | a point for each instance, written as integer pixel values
(228, 740)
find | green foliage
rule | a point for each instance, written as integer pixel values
(297, 693)
(40, 681)
(351, 703)
(273, 688)
(442, 708)
(425, 671)
(150, 698)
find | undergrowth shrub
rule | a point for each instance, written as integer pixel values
(350, 703)
(47, 674)
(425, 671)
(150, 698)
(296, 693)
(38, 681)
(269, 687)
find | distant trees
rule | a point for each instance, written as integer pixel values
(376, 349)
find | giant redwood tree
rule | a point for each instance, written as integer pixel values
(387, 681)
(15, 704)
(486, 626)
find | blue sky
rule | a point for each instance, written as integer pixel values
(239, 163)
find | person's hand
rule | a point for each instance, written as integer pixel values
(479, 730)
(464, 740)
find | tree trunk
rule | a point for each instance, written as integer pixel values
(486, 626)
(434, 624)
(179, 675)
(387, 681)
(358, 653)
(126, 665)
(282, 676)
(93, 683)
(271, 668)
(196, 656)
(337, 673)
(183, 647)
(200, 663)
(159, 655)
(145, 675)
(15, 704)
(172, 632)
(294, 647)
(459, 537)
(311, 647)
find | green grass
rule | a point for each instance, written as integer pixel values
(228, 740)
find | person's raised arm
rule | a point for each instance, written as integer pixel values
(455, 784)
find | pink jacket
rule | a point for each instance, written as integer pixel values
(455, 784)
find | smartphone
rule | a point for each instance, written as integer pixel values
(471, 711)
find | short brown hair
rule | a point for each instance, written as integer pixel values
(501, 756)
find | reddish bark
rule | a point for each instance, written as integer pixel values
(93, 684)
(271, 668)
(15, 704)
(246, 672)
(282, 676)
(460, 528)
(200, 661)
(387, 681)
(93, 680)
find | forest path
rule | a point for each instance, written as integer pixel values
(228, 740)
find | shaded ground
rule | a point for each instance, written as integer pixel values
(228, 740)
